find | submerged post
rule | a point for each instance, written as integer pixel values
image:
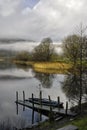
(50, 113)
(17, 108)
(24, 101)
(16, 96)
(40, 105)
(23, 96)
(58, 99)
(32, 108)
(41, 98)
(32, 100)
(66, 107)
(17, 102)
(50, 103)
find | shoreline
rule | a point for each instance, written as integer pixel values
(46, 67)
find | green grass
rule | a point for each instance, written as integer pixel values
(81, 123)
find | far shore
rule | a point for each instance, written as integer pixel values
(46, 67)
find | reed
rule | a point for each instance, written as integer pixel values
(52, 67)
(47, 67)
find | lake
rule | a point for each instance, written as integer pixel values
(16, 78)
(13, 78)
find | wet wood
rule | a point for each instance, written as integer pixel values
(32, 109)
(17, 103)
(47, 109)
(66, 108)
(40, 105)
(16, 95)
(24, 101)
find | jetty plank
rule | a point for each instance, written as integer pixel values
(60, 111)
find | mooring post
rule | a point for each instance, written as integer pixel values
(24, 101)
(23, 96)
(32, 100)
(41, 98)
(58, 99)
(17, 108)
(17, 102)
(16, 96)
(32, 108)
(40, 105)
(66, 107)
(50, 103)
(50, 114)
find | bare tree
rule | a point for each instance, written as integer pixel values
(74, 47)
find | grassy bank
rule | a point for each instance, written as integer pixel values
(47, 67)
(80, 122)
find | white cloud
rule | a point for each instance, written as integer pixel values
(8, 7)
(49, 18)
(26, 11)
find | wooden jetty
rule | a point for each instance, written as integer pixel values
(46, 102)
(49, 110)
(45, 108)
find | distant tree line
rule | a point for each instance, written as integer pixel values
(73, 46)
(43, 52)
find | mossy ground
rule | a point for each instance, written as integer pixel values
(79, 121)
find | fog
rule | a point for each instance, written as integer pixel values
(18, 46)
(25, 46)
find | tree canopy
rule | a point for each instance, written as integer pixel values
(44, 51)
(71, 47)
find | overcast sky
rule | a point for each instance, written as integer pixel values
(36, 19)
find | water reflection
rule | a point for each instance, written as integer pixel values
(9, 71)
(71, 87)
(6, 65)
(23, 66)
(29, 82)
(46, 80)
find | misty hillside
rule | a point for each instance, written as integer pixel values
(13, 40)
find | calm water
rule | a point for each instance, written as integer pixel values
(14, 79)
(17, 78)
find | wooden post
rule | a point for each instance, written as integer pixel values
(66, 107)
(32, 100)
(24, 100)
(40, 105)
(32, 109)
(17, 102)
(50, 113)
(23, 96)
(41, 98)
(58, 99)
(16, 96)
(17, 108)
